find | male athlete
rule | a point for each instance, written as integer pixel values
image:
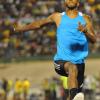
(74, 30)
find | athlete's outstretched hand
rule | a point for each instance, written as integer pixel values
(82, 28)
(12, 29)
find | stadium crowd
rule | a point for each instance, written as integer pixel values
(54, 88)
(40, 41)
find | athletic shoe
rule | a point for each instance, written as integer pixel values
(79, 96)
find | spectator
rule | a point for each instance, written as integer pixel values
(26, 87)
(18, 89)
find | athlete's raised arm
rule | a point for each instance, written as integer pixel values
(34, 25)
(88, 29)
(37, 24)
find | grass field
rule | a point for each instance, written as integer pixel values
(38, 70)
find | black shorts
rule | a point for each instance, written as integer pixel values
(59, 68)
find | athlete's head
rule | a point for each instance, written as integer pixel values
(72, 4)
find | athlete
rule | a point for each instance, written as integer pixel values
(74, 31)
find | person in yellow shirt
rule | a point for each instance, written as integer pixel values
(10, 85)
(26, 87)
(18, 89)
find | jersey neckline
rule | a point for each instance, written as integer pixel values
(72, 18)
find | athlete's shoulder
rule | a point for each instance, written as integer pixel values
(84, 15)
(55, 16)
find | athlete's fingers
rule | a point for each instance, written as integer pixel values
(14, 27)
(81, 27)
(12, 30)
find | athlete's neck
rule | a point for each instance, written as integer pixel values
(72, 13)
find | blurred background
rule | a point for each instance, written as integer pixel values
(26, 59)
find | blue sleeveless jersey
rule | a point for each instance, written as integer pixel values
(72, 44)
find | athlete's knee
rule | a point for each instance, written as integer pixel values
(66, 66)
